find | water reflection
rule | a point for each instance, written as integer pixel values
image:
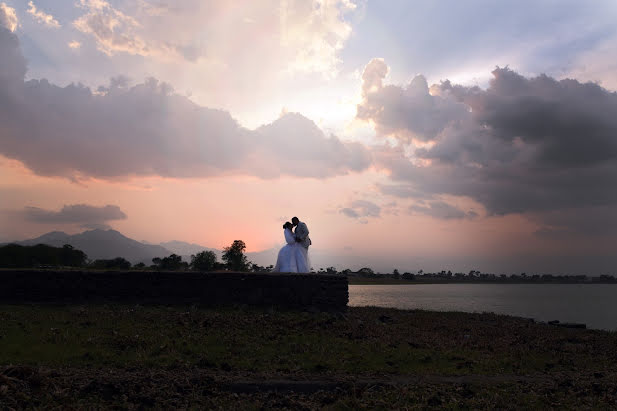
(592, 304)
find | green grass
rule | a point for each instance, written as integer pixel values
(237, 339)
(177, 357)
(363, 341)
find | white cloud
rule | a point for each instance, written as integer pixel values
(8, 17)
(74, 44)
(287, 36)
(147, 129)
(315, 31)
(42, 17)
(115, 31)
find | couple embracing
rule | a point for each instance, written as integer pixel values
(293, 257)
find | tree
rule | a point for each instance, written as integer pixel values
(72, 257)
(408, 276)
(41, 255)
(234, 256)
(203, 261)
(256, 268)
(118, 263)
(173, 262)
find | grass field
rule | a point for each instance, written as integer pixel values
(134, 356)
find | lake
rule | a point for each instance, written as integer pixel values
(592, 304)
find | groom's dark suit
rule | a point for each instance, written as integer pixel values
(301, 234)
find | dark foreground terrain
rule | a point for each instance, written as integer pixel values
(127, 356)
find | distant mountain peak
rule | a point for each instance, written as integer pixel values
(103, 244)
(56, 233)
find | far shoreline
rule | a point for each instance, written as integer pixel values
(388, 281)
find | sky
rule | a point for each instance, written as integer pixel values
(433, 135)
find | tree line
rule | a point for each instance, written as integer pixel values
(46, 256)
(234, 259)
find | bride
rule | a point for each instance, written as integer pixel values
(292, 258)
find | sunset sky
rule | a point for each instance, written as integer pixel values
(413, 135)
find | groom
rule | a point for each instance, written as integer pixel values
(301, 232)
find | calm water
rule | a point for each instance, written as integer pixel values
(592, 304)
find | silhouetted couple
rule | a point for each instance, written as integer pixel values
(293, 257)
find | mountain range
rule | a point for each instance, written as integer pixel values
(107, 244)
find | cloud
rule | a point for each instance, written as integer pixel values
(350, 212)
(592, 221)
(295, 35)
(8, 17)
(359, 209)
(84, 215)
(317, 31)
(298, 144)
(442, 210)
(42, 17)
(406, 113)
(399, 190)
(283, 36)
(522, 145)
(12, 68)
(147, 129)
(116, 32)
(74, 44)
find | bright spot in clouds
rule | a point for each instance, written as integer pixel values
(42, 17)
(8, 17)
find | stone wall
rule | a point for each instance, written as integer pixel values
(323, 292)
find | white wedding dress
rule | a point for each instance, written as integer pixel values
(292, 258)
(302, 259)
(286, 260)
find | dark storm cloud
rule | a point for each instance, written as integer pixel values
(146, 129)
(573, 124)
(594, 221)
(523, 145)
(85, 215)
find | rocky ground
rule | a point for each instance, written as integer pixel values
(187, 357)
